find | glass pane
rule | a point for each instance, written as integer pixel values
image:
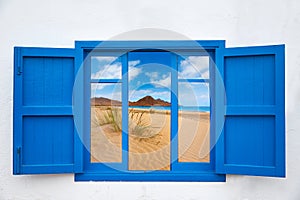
(149, 110)
(193, 122)
(106, 122)
(193, 67)
(106, 67)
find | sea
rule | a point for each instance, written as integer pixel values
(183, 108)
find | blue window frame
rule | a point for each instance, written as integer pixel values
(247, 132)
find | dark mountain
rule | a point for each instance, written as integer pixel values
(145, 101)
(149, 101)
(101, 101)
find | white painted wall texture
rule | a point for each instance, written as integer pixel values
(58, 23)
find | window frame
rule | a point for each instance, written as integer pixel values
(82, 48)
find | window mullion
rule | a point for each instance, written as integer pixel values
(174, 111)
(194, 80)
(106, 80)
(125, 111)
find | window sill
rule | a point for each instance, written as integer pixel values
(152, 177)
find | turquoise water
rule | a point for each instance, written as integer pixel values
(184, 108)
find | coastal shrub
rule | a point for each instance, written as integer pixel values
(138, 126)
(109, 115)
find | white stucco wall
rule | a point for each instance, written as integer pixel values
(58, 23)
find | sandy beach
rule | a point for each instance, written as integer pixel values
(106, 138)
(149, 137)
(193, 136)
(150, 149)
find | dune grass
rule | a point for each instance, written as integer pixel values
(107, 115)
(137, 126)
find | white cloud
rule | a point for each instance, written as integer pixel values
(113, 70)
(108, 71)
(194, 67)
(132, 70)
(106, 67)
(96, 86)
(193, 94)
(204, 96)
(133, 63)
(193, 84)
(104, 59)
(155, 79)
(165, 82)
(152, 75)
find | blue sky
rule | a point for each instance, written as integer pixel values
(107, 90)
(150, 74)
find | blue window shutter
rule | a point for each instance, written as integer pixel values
(44, 133)
(253, 138)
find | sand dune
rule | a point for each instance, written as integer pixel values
(193, 136)
(151, 151)
(106, 138)
(149, 140)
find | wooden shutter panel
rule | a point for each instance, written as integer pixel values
(253, 138)
(43, 122)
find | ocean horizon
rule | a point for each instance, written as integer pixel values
(183, 108)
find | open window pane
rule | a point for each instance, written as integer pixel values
(149, 110)
(106, 122)
(193, 67)
(106, 67)
(193, 122)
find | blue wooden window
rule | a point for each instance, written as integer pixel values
(52, 115)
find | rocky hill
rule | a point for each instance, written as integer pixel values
(149, 101)
(145, 101)
(101, 101)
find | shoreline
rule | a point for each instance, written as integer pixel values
(157, 111)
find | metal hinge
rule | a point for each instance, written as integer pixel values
(19, 70)
(18, 61)
(18, 164)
